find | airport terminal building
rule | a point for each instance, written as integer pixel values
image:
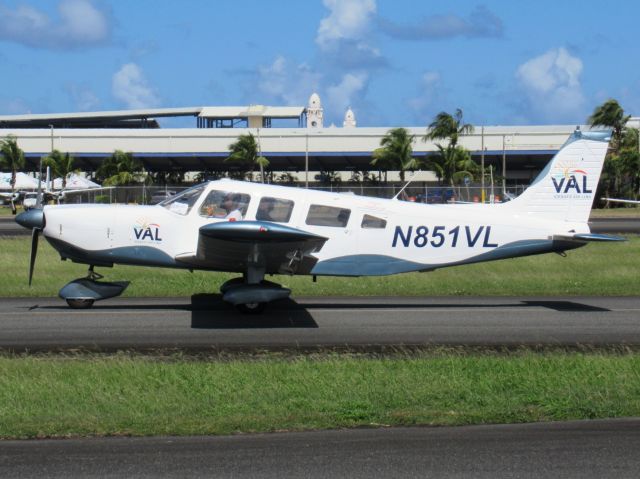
(304, 145)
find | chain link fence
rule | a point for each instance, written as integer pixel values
(424, 193)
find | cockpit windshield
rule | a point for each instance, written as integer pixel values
(184, 201)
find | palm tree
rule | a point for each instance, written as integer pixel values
(170, 178)
(446, 126)
(245, 153)
(61, 165)
(11, 157)
(452, 164)
(621, 173)
(395, 152)
(120, 169)
(611, 115)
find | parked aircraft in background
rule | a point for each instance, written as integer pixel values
(11, 198)
(258, 230)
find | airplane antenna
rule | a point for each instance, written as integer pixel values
(405, 186)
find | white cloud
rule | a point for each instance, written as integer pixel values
(83, 21)
(348, 92)
(130, 86)
(347, 20)
(551, 83)
(80, 24)
(480, 23)
(431, 90)
(83, 97)
(282, 82)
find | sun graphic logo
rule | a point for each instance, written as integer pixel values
(569, 179)
(145, 230)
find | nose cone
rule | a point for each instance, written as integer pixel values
(31, 219)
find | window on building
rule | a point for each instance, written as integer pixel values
(320, 215)
(274, 209)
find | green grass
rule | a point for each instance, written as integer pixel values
(597, 269)
(53, 396)
(629, 211)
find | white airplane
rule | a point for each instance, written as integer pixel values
(258, 229)
(12, 198)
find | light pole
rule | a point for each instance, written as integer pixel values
(306, 159)
(482, 165)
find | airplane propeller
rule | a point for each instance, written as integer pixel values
(33, 219)
(35, 234)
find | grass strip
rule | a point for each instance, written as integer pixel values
(597, 269)
(123, 395)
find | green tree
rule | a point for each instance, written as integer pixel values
(61, 165)
(611, 115)
(171, 178)
(452, 163)
(395, 152)
(245, 153)
(11, 157)
(621, 171)
(120, 169)
(449, 127)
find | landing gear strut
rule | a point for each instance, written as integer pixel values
(252, 298)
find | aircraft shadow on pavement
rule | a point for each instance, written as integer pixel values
(569, 306)
(556, 305)
(208, 311)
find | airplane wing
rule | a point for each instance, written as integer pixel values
(238, 245)
(616, 200)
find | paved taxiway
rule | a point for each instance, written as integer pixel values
(580, 449)
(204, 322)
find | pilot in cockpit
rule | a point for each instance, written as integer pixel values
(231, 204)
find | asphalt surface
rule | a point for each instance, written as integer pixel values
(581, 449)
(8, 227)
(204, 322)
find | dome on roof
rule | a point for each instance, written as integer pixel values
(314, 101)
(349, 119)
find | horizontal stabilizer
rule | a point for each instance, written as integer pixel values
(589, 237)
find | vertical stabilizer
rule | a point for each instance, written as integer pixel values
(565, 189)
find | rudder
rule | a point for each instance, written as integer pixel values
(566, 187)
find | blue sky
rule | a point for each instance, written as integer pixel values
(395, 62)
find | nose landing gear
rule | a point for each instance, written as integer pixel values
(81, 293)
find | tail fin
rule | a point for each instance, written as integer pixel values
(566, 187)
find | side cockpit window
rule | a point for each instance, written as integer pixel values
(274, 209)
(183, 202)
(225, 204)
(320, 215)
(373, 222)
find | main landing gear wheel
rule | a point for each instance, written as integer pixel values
(251, 308)
(80, 303)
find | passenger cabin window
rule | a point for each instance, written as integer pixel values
(225, 204)
(369, 221)
(184, 201)
(274, 209)
(320, 215)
